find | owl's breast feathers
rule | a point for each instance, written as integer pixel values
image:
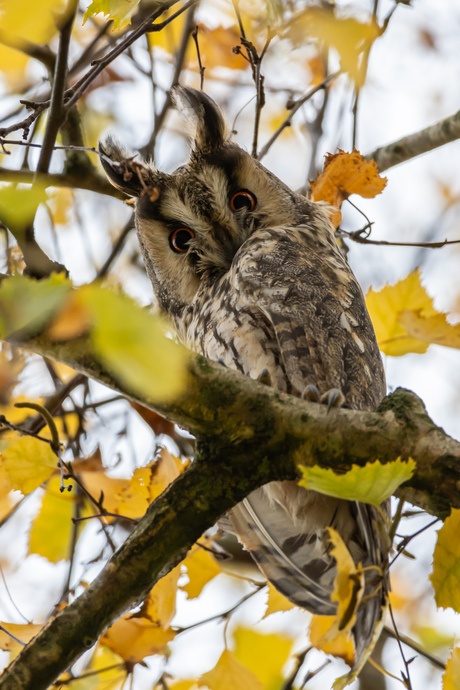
(291, 304)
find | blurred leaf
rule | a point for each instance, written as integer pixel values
(160, 605)
(373, 483)
(349, 37)
(51, 528)
(132, 344)
(134, 638)
(22, 632)
(18, 206)
(345, 174)
(216, 48)
(28, 463)
(277, 601)
(27, 304)
(348, 587)
(340, 646)
(61, 205)
(230, 674)
(120, 11)
(405, 320)
(451, 677)
(264, 655)
(201, 569)
(71, 321)
(445, 577)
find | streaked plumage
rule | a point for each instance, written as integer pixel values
(265, 289)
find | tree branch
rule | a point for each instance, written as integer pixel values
(91, 182)
(247, 435)
(427, 139)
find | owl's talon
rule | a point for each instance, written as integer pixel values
(333, 398)
(265, 378)
(311, 393)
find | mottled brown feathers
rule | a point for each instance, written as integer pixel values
(265, 287)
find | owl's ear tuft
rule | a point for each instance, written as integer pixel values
(203, 117)
(126, 174)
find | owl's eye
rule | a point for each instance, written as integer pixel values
(179, 239)
(243, 199)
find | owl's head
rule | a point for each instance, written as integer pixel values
(192, 222)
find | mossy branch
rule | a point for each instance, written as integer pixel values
(247, 435)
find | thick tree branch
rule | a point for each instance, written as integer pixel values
(248, 434)
(91, 182)
(427, 139)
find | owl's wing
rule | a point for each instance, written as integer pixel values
(302, 285)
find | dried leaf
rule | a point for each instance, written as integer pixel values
(201, 569)
(230, 674)
(51, 528)
(340, 646)
(451, 677)
(134, 638)
(373, 483)
(405, 320)
(277, 602)
(445, 577)
(28, 463)
(345, 174)
(348, 587)
(264, 655)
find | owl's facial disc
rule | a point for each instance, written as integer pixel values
(192, 223)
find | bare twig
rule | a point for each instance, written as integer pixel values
(356, 236)
(416, 647)
(293, 109)
(198, 55)
(116, 249)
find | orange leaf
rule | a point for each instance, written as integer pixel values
(345, 174)
(340, 646)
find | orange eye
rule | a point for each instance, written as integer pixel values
(243, 199)
(179, 239)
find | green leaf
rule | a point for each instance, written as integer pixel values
(18, 205)
(132, 344)
(445, 577)
(373, 483)
(27, 304)
(120, 11)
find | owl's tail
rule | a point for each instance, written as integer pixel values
(284, 527)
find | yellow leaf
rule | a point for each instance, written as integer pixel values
(349, 37)
(451, 677)
(340, 646)
(112, 676)
(134, 638)
(71, 321)
(344, 174)
(264, 655)
(404, 318)
(216, 48)
(27, 304)
(373, 483)
(277, 601)
(230, 674)
(348, 587)
(28, 463)
(22, 632)
(61, 204)
(120, 11)
(430, 329)
(132, 344)
(201, 568)
(51, 529)
(445, 577)
(160, 605)
(18, 205)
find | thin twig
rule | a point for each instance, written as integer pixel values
(116, 249)
(397, 637)
(416, 647)
(293, 109)
(57, 111)
(198, 55)
(356, 236)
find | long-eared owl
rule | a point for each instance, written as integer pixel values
(250, 274)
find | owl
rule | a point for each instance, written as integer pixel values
(250, 275)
